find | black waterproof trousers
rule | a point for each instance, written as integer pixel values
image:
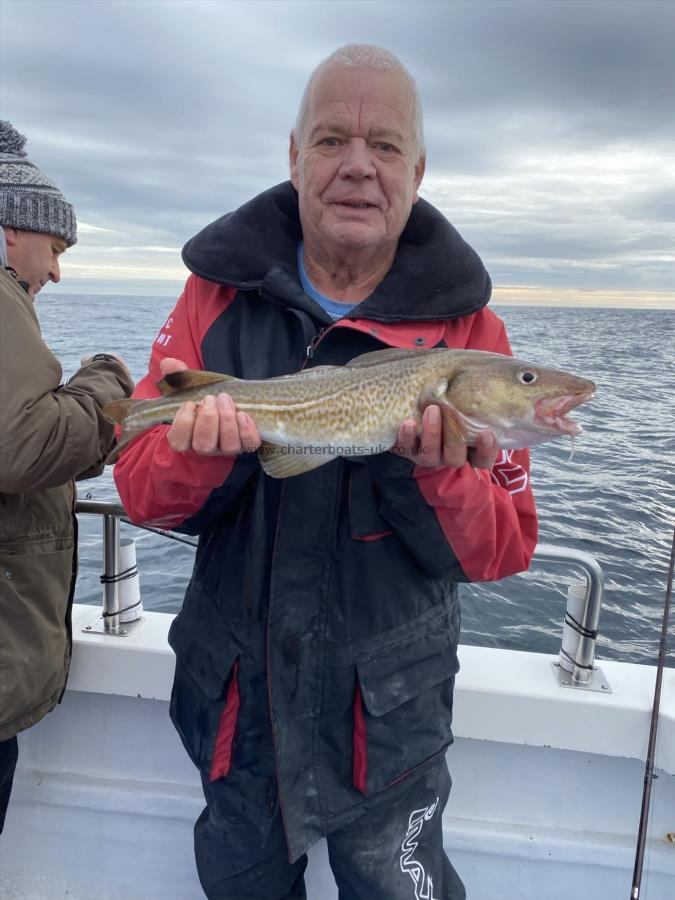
(394, 851)
(9, 753)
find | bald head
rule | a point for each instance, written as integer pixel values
(366, 57)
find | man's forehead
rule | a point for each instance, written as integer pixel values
(342, 83)
(338, 92)
(43, 237)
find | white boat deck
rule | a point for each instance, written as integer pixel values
(545, 803)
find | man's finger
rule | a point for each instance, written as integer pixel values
(429, 453)
(229, 441)
(484, 454)
(168, 365)
(454, 455)
(205, 432)
(406, 444)
(180, 433)
(248, 433)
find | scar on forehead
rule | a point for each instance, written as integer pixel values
(382, 131)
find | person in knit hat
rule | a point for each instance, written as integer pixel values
(50, 435)
(38, 223)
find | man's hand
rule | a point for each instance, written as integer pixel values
(212, 427)
(429, 450)
(90, 358)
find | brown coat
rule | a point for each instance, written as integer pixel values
(50, 434)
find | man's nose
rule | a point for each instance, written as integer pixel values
(55, 272)
(357, 161)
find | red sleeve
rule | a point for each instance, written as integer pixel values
(487, 519)
(157, 485)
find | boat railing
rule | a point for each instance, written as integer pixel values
(116, 619)
(575, 666)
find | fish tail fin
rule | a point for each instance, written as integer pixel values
(118, 411)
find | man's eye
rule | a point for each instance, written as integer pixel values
(329, 142)
(385, 147)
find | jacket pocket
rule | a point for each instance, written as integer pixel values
(34, 633)
(366, 523)
(403, 708)
(204, 704)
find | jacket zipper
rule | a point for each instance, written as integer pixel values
(268, 655)
(71, 594)
(315, 340)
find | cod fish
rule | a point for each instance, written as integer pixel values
(311, 417)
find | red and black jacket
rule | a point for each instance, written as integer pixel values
(316, 647)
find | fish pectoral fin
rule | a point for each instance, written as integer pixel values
(433, 393)
(390, 354)
(282, 462)
(454, 426)
(188, 379)
(455, 430)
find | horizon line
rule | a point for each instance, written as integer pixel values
(502, 295)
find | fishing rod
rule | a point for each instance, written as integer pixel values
(651, 750)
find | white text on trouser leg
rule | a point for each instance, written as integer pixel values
(424, 886)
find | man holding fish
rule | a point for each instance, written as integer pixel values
(316, 647)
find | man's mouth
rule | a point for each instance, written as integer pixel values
(355, 204)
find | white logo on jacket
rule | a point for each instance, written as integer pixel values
(163, 338)
(424, 886)
(508, 474)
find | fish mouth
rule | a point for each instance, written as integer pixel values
(552, 412)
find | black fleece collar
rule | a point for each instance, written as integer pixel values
(435, 275)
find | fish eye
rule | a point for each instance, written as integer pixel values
(527, 376)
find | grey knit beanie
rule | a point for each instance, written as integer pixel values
(28, 200)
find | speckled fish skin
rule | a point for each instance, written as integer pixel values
(357, 409)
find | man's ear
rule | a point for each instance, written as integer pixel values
(420, 166)
(11, 235)
(293, 159)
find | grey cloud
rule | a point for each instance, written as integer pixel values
(156, 117)
(657, 205)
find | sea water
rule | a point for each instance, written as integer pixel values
(615, 498)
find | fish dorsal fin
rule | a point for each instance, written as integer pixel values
(281, 462)
(305, 373)
(190, 378)
(390, 354)
(318, 370)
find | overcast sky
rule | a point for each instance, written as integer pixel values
(550, 127)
